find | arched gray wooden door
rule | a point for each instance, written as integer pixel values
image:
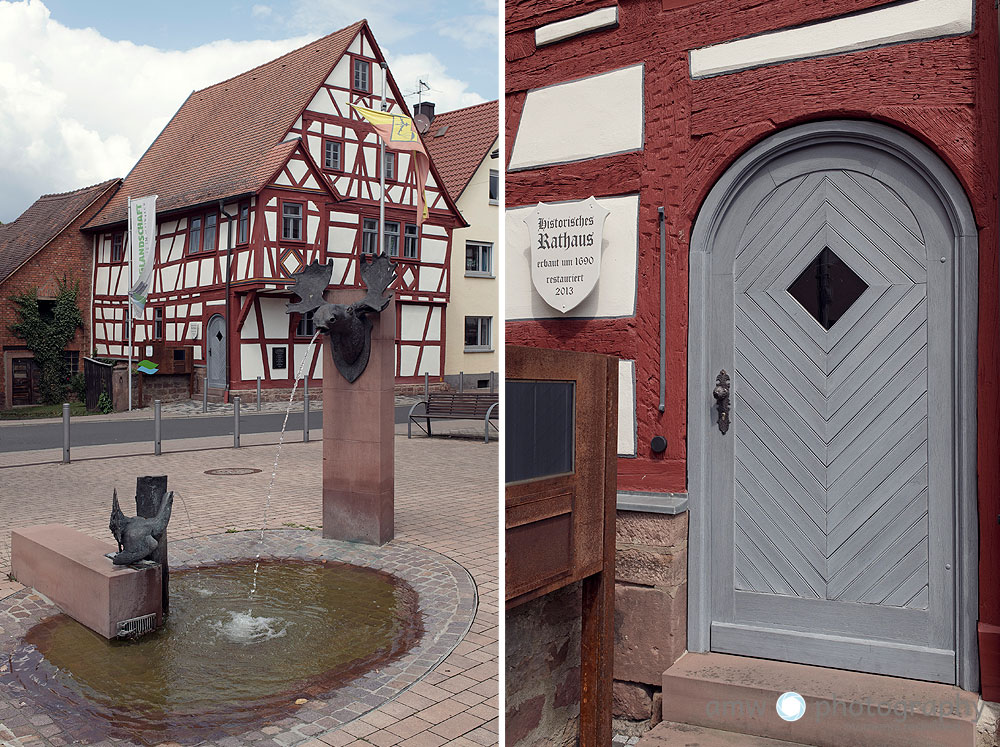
(832, 497)
(216, 346)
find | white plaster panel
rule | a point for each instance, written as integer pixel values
(371, 158)
(168, 276)
(182, 224)
(312, 227)
(224, 234)
(279, 373)
(168, 227)
(429, 229)
(172, 333)
(433, 251)
(315, 127)
(297, 169)
(176, 247)
(340, 239)
(338, 217)
(333, 130)
(408, 360)
(220, 302)
(182, 310)
(412, 321)
(190, 274)
(343, 185)
(251, 365)
(429, 279)
(103, 281)
(272, 202)
(249, 330)
(355, 46)
(272, 311)
(899, 22)
(315, 144)
(196, 309)
(430, 361)
(139, 333)
(626, 408)
(607, 112)
(434, 328)
(299, 352)
(615, 293)
(340, 75)
(207, 268)
(597, 19)
(270, 224)
(119, 312)
(171, 312)
(283, 180)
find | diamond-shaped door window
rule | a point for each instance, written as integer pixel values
(827, 288)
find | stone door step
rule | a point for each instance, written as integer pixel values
(738, 694)
(670, 734)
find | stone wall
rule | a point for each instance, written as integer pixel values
(650, 609)
(543, 670)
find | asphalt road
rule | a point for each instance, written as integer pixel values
(86, 432)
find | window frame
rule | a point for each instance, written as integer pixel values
(386, 235)
(415, 237)
(390, 156)
(365, 233)
(120, 237)
(305, 320)
(355, 60)
(214, 232)
(480, 346)
(480, 246)
(189, 242)
(243, 224)
(494, 195)
(302, 221)
(159, 308)
(340, 142)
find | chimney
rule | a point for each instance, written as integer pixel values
(426, 108)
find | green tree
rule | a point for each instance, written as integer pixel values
(46, 334)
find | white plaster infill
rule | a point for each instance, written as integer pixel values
(581, 119)
(909, 21)
(598, 19)
(627, 438)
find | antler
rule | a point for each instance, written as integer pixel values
(378, 275)
(309, 286)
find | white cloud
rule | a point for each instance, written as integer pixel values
(260, 11)
(324, 16)
(473, 32)
(446, 92)
(77, 108)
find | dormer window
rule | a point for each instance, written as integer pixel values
(362, 75)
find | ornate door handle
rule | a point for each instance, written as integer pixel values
(721, 394)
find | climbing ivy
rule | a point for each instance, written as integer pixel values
(46, 335)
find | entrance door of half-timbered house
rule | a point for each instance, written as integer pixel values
(216, 346)
(834, 474)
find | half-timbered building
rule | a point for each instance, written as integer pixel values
(256, 177)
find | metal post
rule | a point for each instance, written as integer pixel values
(461, 381)
(204, 394)
(236, 422)
(65, 432)
(156, 427)
(305, 409)
(427, 385)
(258, 394)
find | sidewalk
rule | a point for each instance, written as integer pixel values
(446, 500)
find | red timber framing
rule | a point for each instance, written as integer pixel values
(942, 91)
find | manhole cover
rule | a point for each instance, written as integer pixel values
(232, 471)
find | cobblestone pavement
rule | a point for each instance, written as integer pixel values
(446, 501)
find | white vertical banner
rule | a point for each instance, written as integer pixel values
(142, 249)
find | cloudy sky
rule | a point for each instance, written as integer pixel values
(85, 87)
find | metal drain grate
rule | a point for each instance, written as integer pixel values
(137, 626)
(232, 471)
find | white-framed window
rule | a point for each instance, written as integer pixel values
(369, 236)
(332, 155)
(391, 241)
(362, 75)
(411, 242)
(478, 259)
(494, 187)
(306, 327)
(478, 334)
(390, 166)
(291, 221)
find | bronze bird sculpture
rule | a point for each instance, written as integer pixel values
(348, 325)
(138, 536)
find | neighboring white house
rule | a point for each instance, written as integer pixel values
(464, 146)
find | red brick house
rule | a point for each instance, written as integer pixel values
(38, 250)
(803, 228)
(256, 177)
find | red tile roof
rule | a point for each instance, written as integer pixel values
(42, 222)
(222, 140)
(458, 151)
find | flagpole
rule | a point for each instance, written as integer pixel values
(381, 172)
(128, 299)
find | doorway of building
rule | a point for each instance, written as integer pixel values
(837, 522)
(216, 350)
(25, 378)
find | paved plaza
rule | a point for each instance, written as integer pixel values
(446, 501)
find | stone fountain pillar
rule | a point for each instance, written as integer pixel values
(358, 433)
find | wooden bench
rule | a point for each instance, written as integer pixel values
(455, 406)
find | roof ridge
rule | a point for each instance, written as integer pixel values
(60, 195)
(466, 108)
(360, 23)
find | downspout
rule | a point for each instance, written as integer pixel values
(229, 264)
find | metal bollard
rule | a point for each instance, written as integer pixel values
(258, 394)
(461, 381)
(156, 427)
(65, 432)
(427, 385)
(236, 422)
(204, 394)
(305, 409)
